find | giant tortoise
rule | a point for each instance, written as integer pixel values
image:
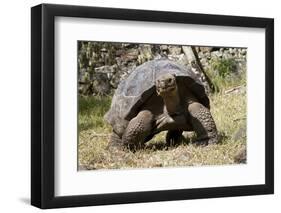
(160, 95)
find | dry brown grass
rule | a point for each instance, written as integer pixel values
(228, 110)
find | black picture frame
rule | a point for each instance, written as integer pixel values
(43, 102)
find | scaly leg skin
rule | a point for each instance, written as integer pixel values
(173, 137)
(203, 124)
(137, 130)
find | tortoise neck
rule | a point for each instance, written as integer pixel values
(172, 102)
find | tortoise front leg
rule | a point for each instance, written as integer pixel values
(203, 123)
(138, 129)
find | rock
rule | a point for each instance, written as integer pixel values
(204, 62)
(100, 84)
(130, 55)
(103, 50)
(201, 55)
(164, 47)
(231, 50)
(174, 50)
(81, 75)
(120, 52)
(243, 51)
(145, 53)
(207, 55)
(218, 54)
(181, 59)
(103, 69)
(206, 49)
(129, 45)
(163, 50)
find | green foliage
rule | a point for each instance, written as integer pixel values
(224, 74)
(224, 67)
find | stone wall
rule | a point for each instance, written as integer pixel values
(102, 65)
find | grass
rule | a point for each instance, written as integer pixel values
(228, 110)
(222, 74)
(91, 111)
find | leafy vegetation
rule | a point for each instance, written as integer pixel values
(224, 74)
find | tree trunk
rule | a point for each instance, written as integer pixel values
(192, 58)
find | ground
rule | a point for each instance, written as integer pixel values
(228, 108)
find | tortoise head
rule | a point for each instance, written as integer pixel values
(166, 85)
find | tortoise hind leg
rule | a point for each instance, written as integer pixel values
(138, 129)
(203, 123)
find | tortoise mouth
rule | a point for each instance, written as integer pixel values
(166, 84)
(162, 90)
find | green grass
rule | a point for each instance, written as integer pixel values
(223, 76)
(228, 110)
(91, 111)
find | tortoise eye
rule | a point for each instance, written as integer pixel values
(170, 80)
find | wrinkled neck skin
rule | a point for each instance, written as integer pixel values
(172, 102)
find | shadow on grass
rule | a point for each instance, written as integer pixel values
(156, 146)
(91, 111)
(162, 145)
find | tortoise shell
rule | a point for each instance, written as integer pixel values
(135, 90)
